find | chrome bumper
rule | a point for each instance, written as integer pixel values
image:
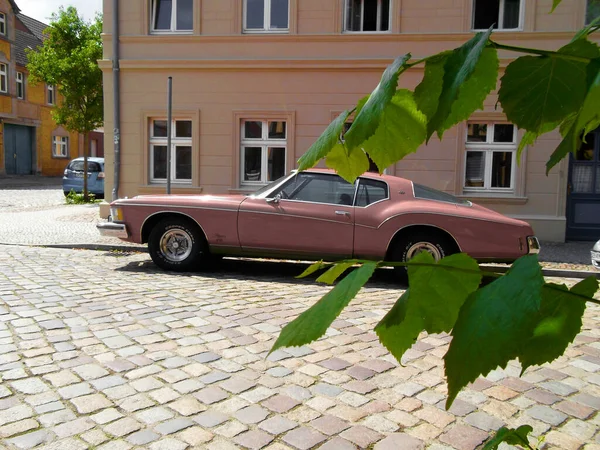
(112, 229)
(533, 245)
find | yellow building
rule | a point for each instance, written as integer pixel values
(30, 141)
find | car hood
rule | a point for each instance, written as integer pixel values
(204, 200)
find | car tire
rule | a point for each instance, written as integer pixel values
(406, 247)
(177, 245)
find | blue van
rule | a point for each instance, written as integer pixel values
(73, 176)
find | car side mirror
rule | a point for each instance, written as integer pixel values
(274, 199)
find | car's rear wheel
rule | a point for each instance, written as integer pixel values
(177, 244)
(410, 245)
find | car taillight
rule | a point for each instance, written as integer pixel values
(100, 175)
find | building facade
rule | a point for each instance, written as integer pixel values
(255, 82)
(30, 140)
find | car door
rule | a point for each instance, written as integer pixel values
(312, 214)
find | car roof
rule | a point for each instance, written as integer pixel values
(390, 179)
(90, 158)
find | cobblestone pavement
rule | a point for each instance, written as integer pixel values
(101, 350)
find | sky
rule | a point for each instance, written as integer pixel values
(43, 9)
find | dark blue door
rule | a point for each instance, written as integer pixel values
(18, 149)
(583, 195)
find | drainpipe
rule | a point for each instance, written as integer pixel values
(116, 99)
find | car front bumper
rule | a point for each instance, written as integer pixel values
(112, 229)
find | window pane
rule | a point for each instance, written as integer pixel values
(475, 173)
(183, 128)
(370, 15)
(582, 178)
(159, 155)
(183, 162)
(276, 163)
(598, 180)
(279, 13)
(162, 18)
(385, 15)
(504, 132)
(3, 83)
(593, 11)
(277, 130)
(512, 13)
(255, 14)
(370, 191)
(502, 169)
(321, 189)
(485, 14)
(185, 14)
(252, 163)
(477, 132)
(159, 128)
(353, 15)
(252, 130)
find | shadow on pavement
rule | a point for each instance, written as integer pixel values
(280, 271)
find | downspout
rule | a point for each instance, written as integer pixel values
(116, 99)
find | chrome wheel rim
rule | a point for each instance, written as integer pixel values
(176, 245)
(420, 247)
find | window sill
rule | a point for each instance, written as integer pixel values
(367, 32)
(267, 31)
(501, 30)
(505, 199)
(171, 32)
(60, 157)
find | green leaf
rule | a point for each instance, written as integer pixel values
(589, 29)
(459, 66)
(313, 323)
(530, 137)
(432, 302)
(402, 131)
(555, 3)
(427, 93)
(558, 321)
(537, 90)
(510, 436)
(569, 144)
(493, 324)
(473, 92)
(348, 166)
(324, 144)
(369, 117)
(335, 272)
(315, 267)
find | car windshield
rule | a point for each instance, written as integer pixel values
(78, 166)
(427, 193)
(268, 187)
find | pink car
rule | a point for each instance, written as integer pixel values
(316, 215)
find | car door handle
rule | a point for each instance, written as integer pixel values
(342, 213)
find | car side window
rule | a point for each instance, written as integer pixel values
(371, 191)
(319, 188)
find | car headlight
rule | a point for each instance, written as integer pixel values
(597, 247)
(116, 214)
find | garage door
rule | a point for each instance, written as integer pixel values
(18, 149)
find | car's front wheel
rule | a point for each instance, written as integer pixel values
(177, 244)
(407, 247)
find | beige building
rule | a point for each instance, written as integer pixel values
(255, 82)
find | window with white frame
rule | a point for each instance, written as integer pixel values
(3, 78)
(592, 11)
(20, 85)
(51, 94)
(264, 148)
(502, 14)
(367, 15)
(2, 24)
(266, 15)
(60, 146)
(181, 150)
(490, 160)
(172, 16)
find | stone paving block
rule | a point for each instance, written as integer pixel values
(409, 389)
(122, 427)
(347, 413)
(574, 409)
(360, 373)
(57, 417)
(90, 371)
(361, 436)
(297, 392)
(195, 436)
(587, 399)
(154, 415)
(337, 443)
(90, 403)
(30, 386)
(210, 418)
(49, 407)
(206, 357)
(329, 425)
(168, 444)
(135, 402)
(94, 437)
(107, 382)
(304, 438)
(563, 441)
(30, 440)
(173, 426)
(211, 394)
(280, 403)
(230, 429)
(464, 437)
(253, 439)
(142, 437)
(542, 396)
(146, 384)
(75, 390)
(326, 389)
(73, 427)
(484, 421)
(277, 425)
(335, 364)
(65, 444)
(398, 441)
(187, 406)
(251, 414)
(214, 377)
(546, 414)
(19, 427)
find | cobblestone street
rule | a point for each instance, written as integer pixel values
(102, 350)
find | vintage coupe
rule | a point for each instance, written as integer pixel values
(315, 215)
